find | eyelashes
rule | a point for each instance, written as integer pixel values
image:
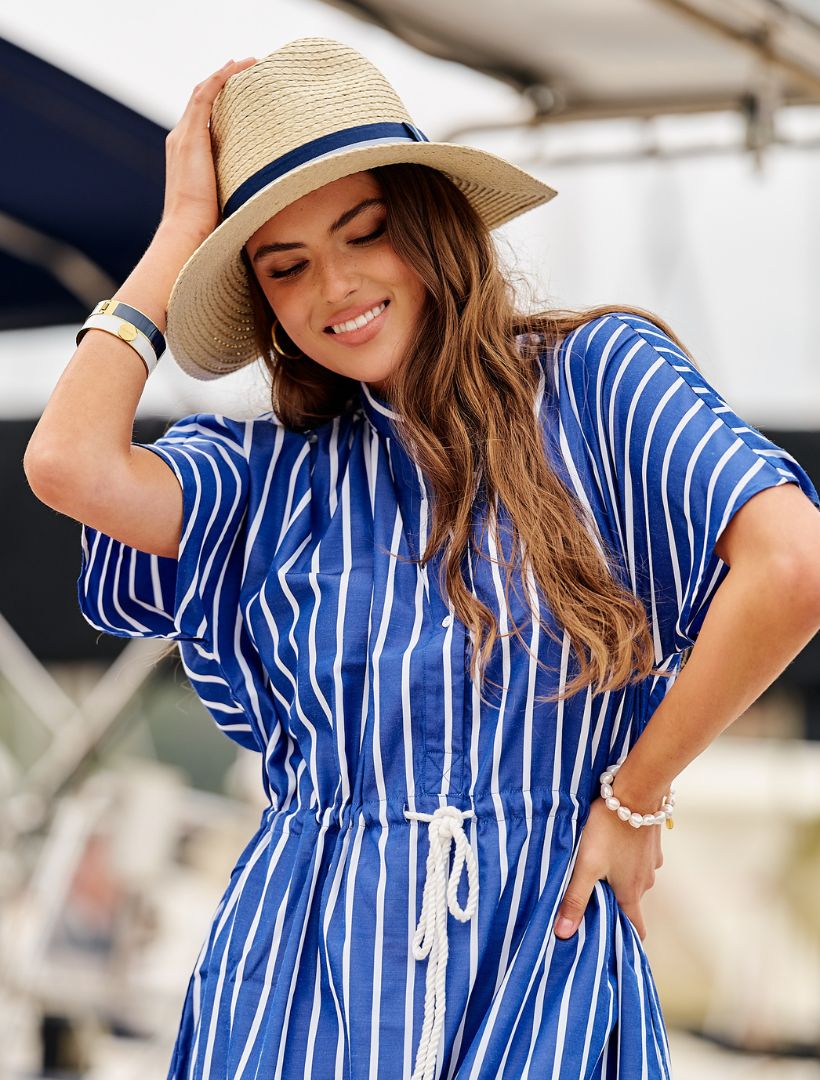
(286, 273)
(370, 236)
(360, 240)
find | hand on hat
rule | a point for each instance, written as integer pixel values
(191, 202)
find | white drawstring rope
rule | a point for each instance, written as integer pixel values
(431, 932)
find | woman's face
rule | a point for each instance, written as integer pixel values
(324, 261)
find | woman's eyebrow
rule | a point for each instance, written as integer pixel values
(345, 219)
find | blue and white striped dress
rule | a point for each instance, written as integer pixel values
(344, 667)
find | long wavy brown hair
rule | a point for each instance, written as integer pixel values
(465, 391)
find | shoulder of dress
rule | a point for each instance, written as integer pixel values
(596, 343)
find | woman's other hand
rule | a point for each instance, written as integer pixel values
(191, 201)
(612, 850)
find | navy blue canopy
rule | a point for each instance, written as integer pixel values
(81, 191)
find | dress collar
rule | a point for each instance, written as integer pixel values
(378, 410)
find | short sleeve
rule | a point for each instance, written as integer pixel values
(131, 593)
(670, 462)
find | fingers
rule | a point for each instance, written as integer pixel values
(230, 68)
(205, 92)
(625, 860)
(235, 65)
(575, 901)
(633, 913)
(590, 865)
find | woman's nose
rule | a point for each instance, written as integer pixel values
(339, 277)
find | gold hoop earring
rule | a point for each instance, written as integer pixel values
(277, 348)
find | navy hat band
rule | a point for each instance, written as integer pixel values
(362, 135)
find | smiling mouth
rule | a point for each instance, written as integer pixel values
(356, 324)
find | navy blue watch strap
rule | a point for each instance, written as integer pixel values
(142, 322)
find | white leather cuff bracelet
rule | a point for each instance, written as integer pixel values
(124, 330)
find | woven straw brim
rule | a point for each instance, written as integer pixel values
(210, 325)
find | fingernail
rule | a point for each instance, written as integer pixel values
(563, 925)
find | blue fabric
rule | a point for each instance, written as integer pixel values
(341, 665)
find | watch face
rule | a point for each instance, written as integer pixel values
(127, 331)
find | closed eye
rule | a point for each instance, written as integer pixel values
(370, 236)
(286, 273)
(359, 240)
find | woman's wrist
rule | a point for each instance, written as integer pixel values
(637, 793)
(635, 816)
(182, 230)
(148, 287)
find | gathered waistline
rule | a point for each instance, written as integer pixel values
(483, 808)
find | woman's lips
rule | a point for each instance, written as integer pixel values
(363, 333)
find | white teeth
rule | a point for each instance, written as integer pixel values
(361, 320)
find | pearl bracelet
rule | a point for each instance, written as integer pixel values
(635, 819)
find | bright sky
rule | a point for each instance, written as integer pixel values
(726, 255)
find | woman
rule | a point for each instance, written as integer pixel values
(332, 573)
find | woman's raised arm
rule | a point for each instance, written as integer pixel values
(80, 459)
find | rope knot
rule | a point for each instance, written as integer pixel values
(445, 827)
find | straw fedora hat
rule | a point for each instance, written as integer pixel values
(309, 113)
